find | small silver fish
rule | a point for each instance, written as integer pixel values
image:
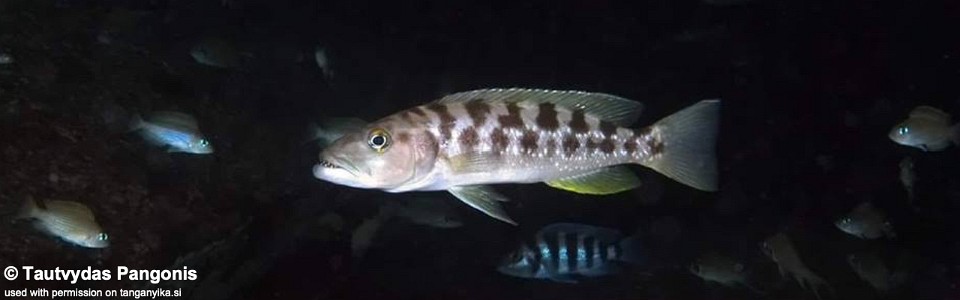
(571, 140)
(564, 251)
(433, 212)
(6, 58)
(364, 234)
(323, 61)
(175, 130)
(908, 177)
(217, 52)
(68, 220)
(926, 128)
(866, 222)
(781, 250)
(721, 269)
(871, 268)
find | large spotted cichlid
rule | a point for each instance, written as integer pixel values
(571, 140)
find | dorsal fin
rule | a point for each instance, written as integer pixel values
(617, 110)
(175, 119)
(73, 208)
(930, 113)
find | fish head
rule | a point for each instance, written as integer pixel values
(697, 268)
(216, 52)
(849, 225)
(389, 155)
(917, 133)
(199, 145)
(518, 264)
(201, 55)
(95, 239)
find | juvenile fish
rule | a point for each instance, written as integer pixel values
(563, 252)
(866, 222)
(217, 52)
(908, 178)
(5, 58)
(323, 61)
(177, 131)
(781, 250)
(926, 128)
(433, 212)
(71, 221)
(721, 269)
(871, 268)
(571, 140)
(364, 234)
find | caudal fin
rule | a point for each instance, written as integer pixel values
(689, 139)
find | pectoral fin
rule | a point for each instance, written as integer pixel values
(473, 162)
(600, 182)
(484, 199)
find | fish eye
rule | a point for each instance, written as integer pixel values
(379, 140)
(204, 143)
(102, 236)
(903, 130)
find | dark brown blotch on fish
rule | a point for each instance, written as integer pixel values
(499, 140)
(607, 128)
(417, 111)
(469, 138)
(607, 146)
(512, 119)
(547, 117)
(656, 146)
(570, 145)
(403, 137)
(578, 122)
(447, 121)
(431, 139)
(631, 145)
(478, 111)
(591, 144)
(528, 141)
(642, 131)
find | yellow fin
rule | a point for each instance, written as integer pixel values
(601, 182)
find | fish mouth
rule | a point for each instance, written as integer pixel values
(328, 165)
(332, 163)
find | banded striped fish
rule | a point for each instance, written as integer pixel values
(570, 140)
(177, 131)
(563, 252)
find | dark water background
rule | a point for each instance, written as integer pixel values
(809, 89)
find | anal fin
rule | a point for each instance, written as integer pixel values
(483, 198)
(599, 182)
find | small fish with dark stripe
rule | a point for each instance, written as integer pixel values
(566, 252)
(570, 140)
